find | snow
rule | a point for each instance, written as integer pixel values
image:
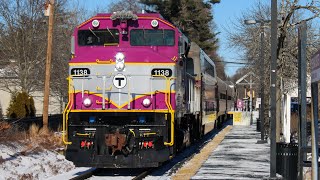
(237, 157)
(71, 174)
(30, 165)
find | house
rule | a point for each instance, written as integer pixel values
(6, 75)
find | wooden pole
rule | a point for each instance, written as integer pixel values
(48, 66)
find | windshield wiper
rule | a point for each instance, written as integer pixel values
(111, 33)
(94, 34)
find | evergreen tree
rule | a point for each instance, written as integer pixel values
(193, 17)
(21, 105)
(195, 20)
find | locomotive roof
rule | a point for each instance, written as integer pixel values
(157, 15)
(139, 15)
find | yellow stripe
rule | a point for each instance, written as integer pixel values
(127, 63)
(80, 134)
(82, 24)
(151, 133)
(163, 21)
(120, 110)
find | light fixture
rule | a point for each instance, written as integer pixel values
(154, 23)
(95, 23)
(146, 102)
(119, 56)
(119, 65)
(87, 102)
(251, 21)
(120, 61)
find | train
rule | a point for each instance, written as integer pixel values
(139, 91)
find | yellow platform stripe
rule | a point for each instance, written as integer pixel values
(192, 166)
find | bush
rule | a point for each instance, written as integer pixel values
(21, 105)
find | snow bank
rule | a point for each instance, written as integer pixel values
(32, 164)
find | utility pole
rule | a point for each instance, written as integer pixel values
(49, 11)
(273, 88)
(262, 47)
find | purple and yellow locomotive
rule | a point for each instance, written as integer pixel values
(138, 92)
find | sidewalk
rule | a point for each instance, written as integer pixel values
(238, 156)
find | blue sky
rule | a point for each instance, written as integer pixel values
(225, 14)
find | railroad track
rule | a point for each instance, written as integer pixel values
(54, 121)
(86, 175)
(167, 168)
(137, 174)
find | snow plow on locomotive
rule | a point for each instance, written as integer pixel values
(138, 92)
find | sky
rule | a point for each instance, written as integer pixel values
(225, 14)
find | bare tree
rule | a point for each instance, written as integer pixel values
(127, 5)
(22, 41)
(291, 14)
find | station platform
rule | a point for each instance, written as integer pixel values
(238, 156)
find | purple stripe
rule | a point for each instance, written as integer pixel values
(158, 102)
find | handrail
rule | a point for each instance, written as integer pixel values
(99, 61)
(168, 98)
(65, 115)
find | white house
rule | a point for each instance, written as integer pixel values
(55, 107)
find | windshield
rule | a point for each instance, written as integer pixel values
(100, 37)
(151, 37)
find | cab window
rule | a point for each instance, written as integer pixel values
(99, 37)
(152, 37)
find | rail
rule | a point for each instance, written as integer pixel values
(55, 120)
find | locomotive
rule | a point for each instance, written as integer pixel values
(139, 91)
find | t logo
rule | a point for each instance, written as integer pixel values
(120, 81)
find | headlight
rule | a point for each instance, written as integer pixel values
(146, 102)
(87, 102)
(119, 56)
(119, 66)
(119, 61)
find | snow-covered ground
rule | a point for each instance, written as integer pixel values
(17, 163)
(238, 156)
